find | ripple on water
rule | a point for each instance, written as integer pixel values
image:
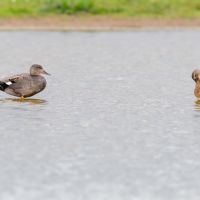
(197, 105)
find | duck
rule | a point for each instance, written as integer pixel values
(26, 84)
(196, 78)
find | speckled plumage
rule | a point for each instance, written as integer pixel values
(25, 84)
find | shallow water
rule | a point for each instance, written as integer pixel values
(118, 119)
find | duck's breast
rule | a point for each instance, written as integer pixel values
(37, 84)
(197, 90)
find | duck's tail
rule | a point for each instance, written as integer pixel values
(4, 85)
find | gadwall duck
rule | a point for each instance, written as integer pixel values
(196, 78)
(26, 84)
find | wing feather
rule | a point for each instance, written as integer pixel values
(9, 81)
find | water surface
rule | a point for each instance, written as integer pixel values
(118, 119)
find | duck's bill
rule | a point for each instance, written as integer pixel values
(44, 72)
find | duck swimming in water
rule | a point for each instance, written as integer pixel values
(26, 84)
(196, 78)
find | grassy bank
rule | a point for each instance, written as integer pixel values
(129, 8)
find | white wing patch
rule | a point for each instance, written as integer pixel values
(9, 83)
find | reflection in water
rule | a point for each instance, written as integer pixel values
(17, 100)
(197, 105)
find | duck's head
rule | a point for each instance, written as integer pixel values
(36, 70)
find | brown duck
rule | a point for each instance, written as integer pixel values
(196, 78)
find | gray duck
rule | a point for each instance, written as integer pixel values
(26, 84)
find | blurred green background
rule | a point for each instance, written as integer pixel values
(130, 8)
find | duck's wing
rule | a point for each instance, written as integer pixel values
(9, 81)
